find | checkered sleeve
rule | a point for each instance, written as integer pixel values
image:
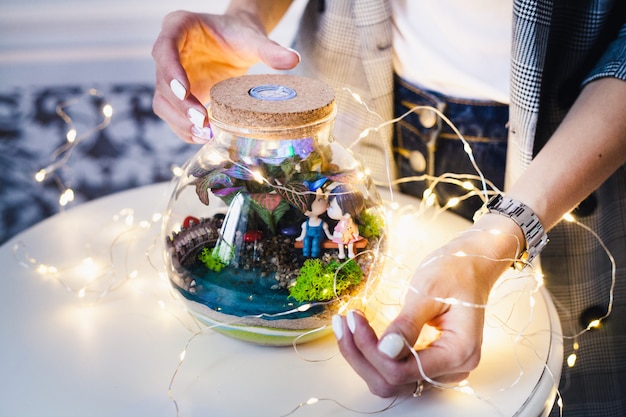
(613, 61)
(347, 44)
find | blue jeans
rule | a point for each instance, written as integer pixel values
(424, 144)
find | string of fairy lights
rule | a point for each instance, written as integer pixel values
(101, 278)
(61, 155)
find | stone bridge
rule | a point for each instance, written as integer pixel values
(186, 245)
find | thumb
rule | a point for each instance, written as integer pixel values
(399, 336)
(403, 332)
(276, 56)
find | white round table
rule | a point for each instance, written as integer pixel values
(115, 354)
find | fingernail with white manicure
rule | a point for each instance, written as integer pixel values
(391, 345)
(196, 117)
(297, 53)
(178, 89)
(351, 321)
(337, 327)
(201, 135)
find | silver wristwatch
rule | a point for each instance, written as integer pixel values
(534, 233)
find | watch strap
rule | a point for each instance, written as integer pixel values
(527, 220)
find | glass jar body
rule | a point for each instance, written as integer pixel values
(250, 246)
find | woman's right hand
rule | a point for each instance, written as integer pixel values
(448, 292)
(194, 51)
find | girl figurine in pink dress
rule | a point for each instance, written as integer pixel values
(345, 205)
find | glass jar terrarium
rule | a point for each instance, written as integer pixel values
(272, 225)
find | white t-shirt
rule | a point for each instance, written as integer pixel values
(460, 48)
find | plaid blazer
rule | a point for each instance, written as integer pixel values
(558, 46)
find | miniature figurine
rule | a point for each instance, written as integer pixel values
(345, 205)
(314, 228)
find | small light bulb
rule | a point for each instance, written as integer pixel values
(258, 177)
(594, 324)
(569, 218)
(467, 390)
(89, 270)
(177, 171)
(571, 360)
(71, 135)
(107, 110)
(40, 176)
(467, 185)
(66, 197)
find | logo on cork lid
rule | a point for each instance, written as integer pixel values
(272, 92)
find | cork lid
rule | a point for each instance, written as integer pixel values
(271, 100)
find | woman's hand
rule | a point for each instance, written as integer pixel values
(463, 270)
(591, 138)
(194, 51)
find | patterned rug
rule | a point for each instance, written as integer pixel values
(135, 148)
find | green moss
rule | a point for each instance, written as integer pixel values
(212, 259)
(372, 224)
(316, 281)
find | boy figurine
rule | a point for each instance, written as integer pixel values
(314, 228)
